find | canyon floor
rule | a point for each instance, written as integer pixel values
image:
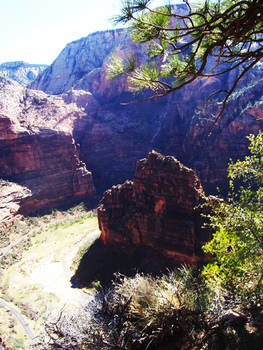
(36, 282)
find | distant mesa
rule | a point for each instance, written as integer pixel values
(22, 72)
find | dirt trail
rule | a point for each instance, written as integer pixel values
(19, 317)
(6, 250)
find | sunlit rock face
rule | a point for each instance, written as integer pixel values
(38, 152)
(22, 72)
(12, 194)
(160, 209)
(113, 136)
(79, 60)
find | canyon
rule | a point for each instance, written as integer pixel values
(22, 72)
(149, 171)
(69, 137)
(114, 136)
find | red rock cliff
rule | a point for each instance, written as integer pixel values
(115, 136)
(159, 209)
(38, 152)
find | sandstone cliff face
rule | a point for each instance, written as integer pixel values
(78, 59)
(38, 152)
(210, 155)
(112, 137)
(160, 210)
(12, 194)
(22, 72)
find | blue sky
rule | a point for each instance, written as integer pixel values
(36, 31)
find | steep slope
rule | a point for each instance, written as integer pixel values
(38, 152)
(22, 72)
(114, 136)
(78, 59)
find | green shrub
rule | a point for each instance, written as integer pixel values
(136, 313)
(146, 312)
(237, 245)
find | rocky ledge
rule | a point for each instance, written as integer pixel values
(161, 209)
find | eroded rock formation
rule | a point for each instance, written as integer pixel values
(161, 209)
(80, 60)
(112, 136)
(38, 153)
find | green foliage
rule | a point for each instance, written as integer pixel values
(149, 25)
(119, 66)
(250, 170)
(145, 76)
(129, 8)
(173, 66)
(237, 245)
(204, 40)
(136, 313)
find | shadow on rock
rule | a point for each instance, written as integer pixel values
(101, 263)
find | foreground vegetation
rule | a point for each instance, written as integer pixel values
(145, 312)
(219, 307)
(237, 245)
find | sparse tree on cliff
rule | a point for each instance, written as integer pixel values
(200, 41)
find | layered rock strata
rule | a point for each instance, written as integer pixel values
(161, 209)
(38, 152)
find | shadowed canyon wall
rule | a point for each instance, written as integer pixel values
(112, 136)
(54, 138)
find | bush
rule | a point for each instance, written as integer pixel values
(237, 245)
(136, 313)
(146, 312)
